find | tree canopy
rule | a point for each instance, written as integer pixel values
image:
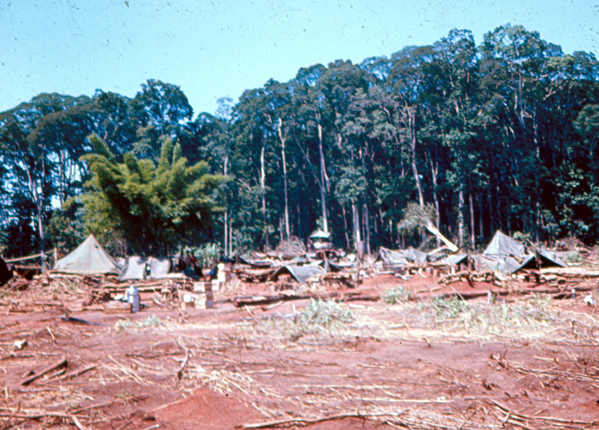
(155, 208)
(500, 135)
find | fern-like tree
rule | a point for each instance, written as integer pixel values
(155, 209)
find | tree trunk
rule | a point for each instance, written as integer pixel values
(263, 186)
(412, 127)
(366, 224)
(299, 216)
(480, 217)
(230, 238)
(460, 217)
(499, 214)
(346, 226)
(324, 180)
(38, 201)
(356, 225)
(472, 239)
(491, 223)
(434, 170)
(226, 232)
(282, 139)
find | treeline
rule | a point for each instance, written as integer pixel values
(497, 136)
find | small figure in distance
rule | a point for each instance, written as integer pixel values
(192, 265)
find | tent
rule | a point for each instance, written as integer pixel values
(144, 268)
(508, 255)
(401, 256)
(547, 259)
(503, 245)
(88, 259)
(5, 274)
(299, 273)
(453, 260)
(497, 262)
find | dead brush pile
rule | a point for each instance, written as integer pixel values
(291, 248)
(532, 318)
(319, 317)
(47, 290)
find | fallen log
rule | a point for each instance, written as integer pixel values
(306, 421)
(79, 372)
(267, 300)
(558, 293)
(61, 363)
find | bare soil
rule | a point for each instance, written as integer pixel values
(535, 365)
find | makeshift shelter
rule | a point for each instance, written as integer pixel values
(319, 234)
(546, 259)
(320, 240)
(5, 274)
(503, 245)
(453, 260)
(402, 256)
(496, 262)
(299, 273)
(88, 259)
(145, 268)
(507, 255)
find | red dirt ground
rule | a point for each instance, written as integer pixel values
(226, 367)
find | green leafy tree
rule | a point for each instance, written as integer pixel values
(154, 208)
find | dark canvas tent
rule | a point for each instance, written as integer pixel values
(547, 259)
(5, 274)
(88, 259)
(143, 268)
(299, 273)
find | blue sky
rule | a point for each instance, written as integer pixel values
(216, 48)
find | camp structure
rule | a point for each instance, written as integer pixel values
(502, 245)
(145, 268)
(300, 273)
(5, 274)
(319, 234)
(542, 258)
(508, 255)
(89, 258)
(320, 240)
(401, 257)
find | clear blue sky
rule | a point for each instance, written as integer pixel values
(216, 48)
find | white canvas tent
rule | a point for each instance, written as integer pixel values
(503, 245)
(402, 256)
(142, 268)
(89, 258)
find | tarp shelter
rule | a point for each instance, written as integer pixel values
(503, 245)
(402, 256)
(145, 268)
(497, 262)
(319, 234)
(5, 274)
(299, 273)
(453, 260)
(547, 259)
(88, 259)
(507, 255)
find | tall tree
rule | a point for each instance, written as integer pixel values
(155, 208)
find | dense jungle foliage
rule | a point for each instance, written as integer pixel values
(502, 135)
